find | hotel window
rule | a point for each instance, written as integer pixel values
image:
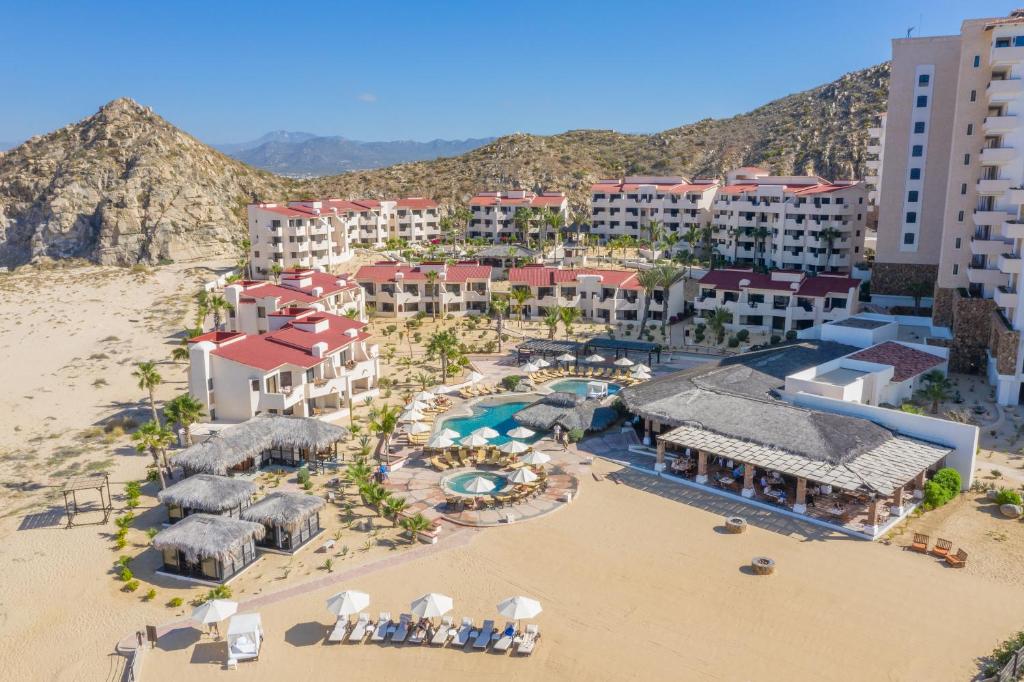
(912, 196)
(974, 95)
(963, 188)
(917, 150)
(911, 217)
(1018, 41)
(956, 269)
(922, 101)
(919, 127)
(908, 238)
(960, 216)
(923, 79)
(970, 128)
(977, 61)
(1002, 42)
(915, 173)
(957, 242)
(967, 159)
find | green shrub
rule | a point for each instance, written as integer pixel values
(132, 489)
(131, 586)
(791, 335)
(1007, 496)
(303, 476)
(175, 603)
(934, 495)
(125, 521)
(123, 560)
(1002, 654)
(775, 339)
(944, 486)
(126, 574)
(511, 382)
(120, 543)
(733, 342)
(743, 334)
(949, 479)
(149, 596)
(575, 435)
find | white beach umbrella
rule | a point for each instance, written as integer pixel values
(594, 358)
(642, 376)
(411, 416)
(432, 605)
(448, 433)
(542, 363)
(520, 432)
(417, 427)
(523, 475)
(517, 608)
(425, 396)
(513, 447)
(535, 458)
(214, 611)
(624, 362)
(529, 368)
(348, 602)
(486, 432)
(474, 377)
(439, 389)
(566, 357)
(474, 440)
(417, 405)
(479, 484)
(440, 441)
(636, 369)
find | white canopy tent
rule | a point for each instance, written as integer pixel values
(245, 636)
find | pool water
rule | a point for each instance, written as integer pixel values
(579, 386)
(457, 483)
(498, 417)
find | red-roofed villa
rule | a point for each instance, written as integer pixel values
(397, 290)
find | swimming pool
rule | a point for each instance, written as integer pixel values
(497, 416)
(457, 483)
(579, 386)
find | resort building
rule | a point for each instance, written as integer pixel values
(736, 427)
(396, 290)
(873, 179)
(207, 548)
(309, 363)
(494, 216)
(608, 296)
(790, 222)
(254, 301)
(206, 494)
(291, 520)
(777, 301)
(321, 233)
(627, 207)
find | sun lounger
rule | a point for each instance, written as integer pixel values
(359, 629)
(380, 632)
(462, 635)
(920, 543)
(339, 631)
(504, 641)
(957, 560)
(942, 548)
(483, 637)
(402, 631)
(528, 640)
(418, 634)
(443, 632)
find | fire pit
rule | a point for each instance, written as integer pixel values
(762, 565)
(735, 524)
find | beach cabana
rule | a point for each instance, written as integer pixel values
(208, 548)
(290, 519)
(266, 439)
(245, 637)
(206, 494)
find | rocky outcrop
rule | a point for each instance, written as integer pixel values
(121, 187)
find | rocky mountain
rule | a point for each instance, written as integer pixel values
(296, 155)
(287, 136)
(820, 131)
(124, 186)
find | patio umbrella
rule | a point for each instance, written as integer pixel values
(642, 376)
(566, 357)
(348, 602)
(439, 441)
(520, 432)
(486, 432)
(636, 369)
(449, 433)
(418, 405)
(542, 363)
(594, 358)
(439, 389)
(535, 458)
(513, 447)
(425, 396)
(529, 368)
(432, 605)
(517, 608)
(523, 475)
(474, 440)
(417, 427)
(474, 377)
(623, 362)
(411, 416)
(479, 484)
(214, 611)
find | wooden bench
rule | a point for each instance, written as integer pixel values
(942, 548)
(920, 543)
(957, 560)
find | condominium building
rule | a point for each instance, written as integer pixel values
(789, 222)
(952, 192)
(494, 215)
(779, 301)
(873, 181)
(627, 207)
(309, 363)
(254, 301)
(606, 296)
(396, 290)
(321, 233)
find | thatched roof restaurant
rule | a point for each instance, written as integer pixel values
(207, 494)
(291, 519)
(567, 410)
(262, 440)
(208, 548)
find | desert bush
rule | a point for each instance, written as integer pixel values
(775, 339)
(511, 382)
(791, 335)
(733, 342)
(175, 603)
(944, 486)
(125, 574)
(131, 586)
(1007, 496)
(743, 334)
(575, 435)
(149, 596)
(1002, 654)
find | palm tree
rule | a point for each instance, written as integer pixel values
(149, 378)
(245, 260)
(649, 280)
(155, 438)
(202, 308)
(692, 237)
(184, 411)
(432, 285)
(519, 296)
(569, 318)
(670, 240)
(543, 217)
(219, 305)
(444, 345)
(180, 354)
(716, 323)
(384, 424)
(552, 316)
(707, 233)
(424, 379)
(556, 221)
(667, 276)
(656, 232)
(393, 506)
(521, 218)
(359, 472)
(937, 389)
(414, 525)
(829, 236)
(919, 290)
(761, 237)
(499, 306)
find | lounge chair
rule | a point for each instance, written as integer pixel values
(528, 640)
(483, 638)
(340, 631)
(359, 629)
(504, 642)
(958, 560)
(920, 543)
(438, 464)
(462, 635)
(443, 632)
(418, 634)
(402, 630)
(380, 632)
(942, 548)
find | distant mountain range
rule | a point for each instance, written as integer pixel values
(298, 154)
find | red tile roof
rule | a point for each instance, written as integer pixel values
(381, 273)
(416, 203)
(906, 362)
(254, 289)
(291, 345)
(543, 276)
(816, 286)
(531, 199)
(822, 285)
(669, 187)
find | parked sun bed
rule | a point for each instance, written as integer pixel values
(380, 632)
(418, 634)
(464, 631)
(528, 640)
(483, 637)
(505, 638)
(443, 632)
(402, 631)
(339, 631)
(359, 629)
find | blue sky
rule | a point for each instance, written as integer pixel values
(228, 72)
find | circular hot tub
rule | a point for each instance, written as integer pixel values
(456, 484)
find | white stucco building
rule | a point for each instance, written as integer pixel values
(493, 215)
(252, 301)
(396, 290)
(626, 207)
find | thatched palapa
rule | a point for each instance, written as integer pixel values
(284, 510)
(208, 493)
(204, 536)
(234, 445)
(567, 410)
